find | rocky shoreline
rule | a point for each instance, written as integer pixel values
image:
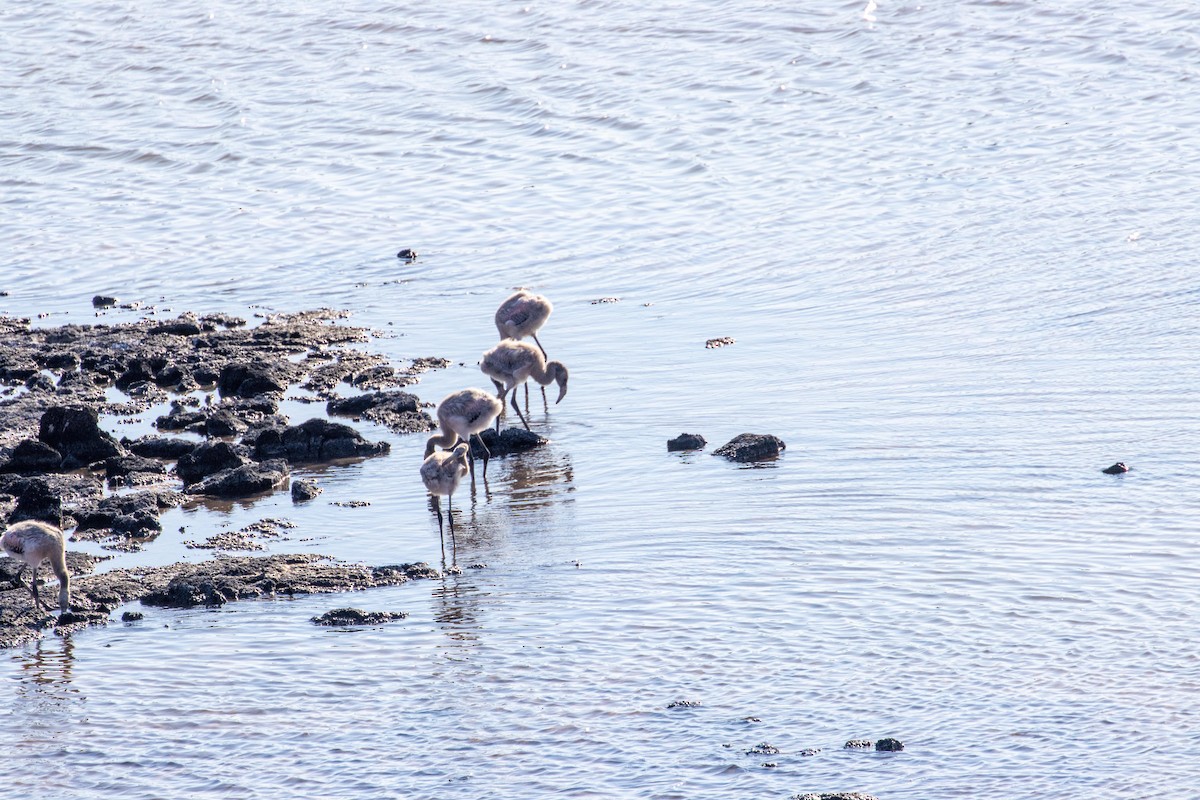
(58, 465)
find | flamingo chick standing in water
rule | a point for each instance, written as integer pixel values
(511, 363)
(34, 542)
(461, 414)
(441, 473)
(523, 314)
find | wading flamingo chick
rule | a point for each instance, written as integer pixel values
(523, 314)
(511, 363)
(34, 542)
(461, 414)
(441, 473)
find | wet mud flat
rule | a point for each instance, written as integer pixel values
(222, 436)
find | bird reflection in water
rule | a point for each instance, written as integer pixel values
(46, 674)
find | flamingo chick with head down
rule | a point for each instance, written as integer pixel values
(460, 415)
(511, 363)
(34, 542)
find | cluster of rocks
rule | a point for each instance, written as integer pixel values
(744, 447)
(186, 585)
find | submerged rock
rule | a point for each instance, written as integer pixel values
(356, 616)
(510, 440)
(763, 749)
(889, 745)
(859, 744)
(751, 447)
(686, 441)
(1116, 469)
(684, 704)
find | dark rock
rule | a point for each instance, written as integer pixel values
(39, 383)
(36, 499)
(132, 616)
(1116, 469)
(858, 744)
(243, 481)
(721, 341)
(686, 441)
(356, 616)
(183, 326)
(751, 447)
(209, 458)
(408, 254)
(173, 375)
(103, 301)
(314, 440)
(140, 370)
(763, 749)
(188, 591)
(889, 745)
(684, 704)
(159, 447)
(303, 490)
(127, 465)
(251, 379)
(510, 440)
(134, 514)
(31, 456)
(76, 433)
(396, 409)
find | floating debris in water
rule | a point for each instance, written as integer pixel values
(712, 344)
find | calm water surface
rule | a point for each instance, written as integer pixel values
(954, 243)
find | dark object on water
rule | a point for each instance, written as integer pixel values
(408, 254)
(834, 796)
(858, 744)
(356, 616)
(763, 749)
(132, 616)
(889, 745)
(103, 301)
(684, 704)
(751, 447)
(1116, 469)
(723, 341)
(686, 441)
(303, 490)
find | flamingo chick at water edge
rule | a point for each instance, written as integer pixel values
(523, 314)
(34, 542)
(441, 472)
(511, 363)
(461, 414)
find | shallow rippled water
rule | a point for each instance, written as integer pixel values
(954, 247)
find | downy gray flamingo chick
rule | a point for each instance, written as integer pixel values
(523, 314)
(34, 542)
(461, 414)
(441, 473)
(511, 363)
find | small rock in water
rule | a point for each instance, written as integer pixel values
(751, 447)
(304, 489)
(1116, 469)
(103, 301)
(713, 344)
(763, 749)
(858, 743)
(810, 751)
(356, 616)
(132, 616)
(605, 300)
(769, 765)
(889, 745)
(686, 441)
(408, 254)
(684, 704)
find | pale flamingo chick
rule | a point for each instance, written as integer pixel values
(441, 473)
(34, 542)
(511, 363)
(460, 415)
(523, 314)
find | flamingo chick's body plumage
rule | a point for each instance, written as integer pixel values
(34, 542)
(441, 473)
(462, 414)
(523, 314)
(511, 363)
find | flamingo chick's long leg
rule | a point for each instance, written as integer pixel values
(453, 541)
(518, 408)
